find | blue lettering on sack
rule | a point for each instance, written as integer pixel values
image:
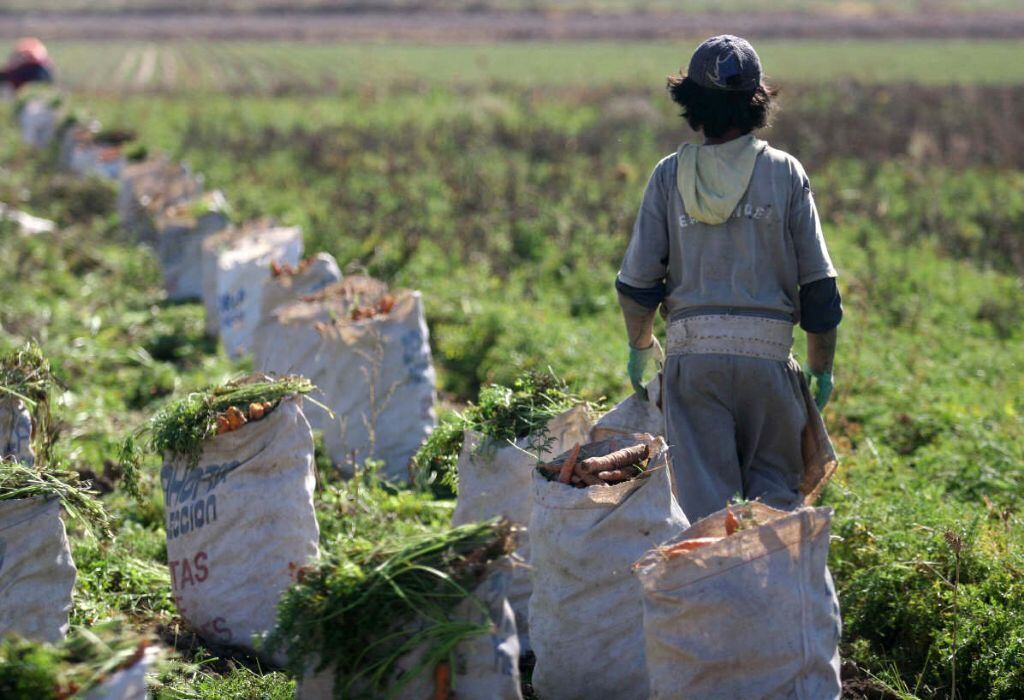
(194, 516)
(194, 483)
(3, 552)
(413, 357)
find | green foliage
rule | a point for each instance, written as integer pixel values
(25, 374)
(501, 414)
(18, 481)
(368, 604)
(181, 427)
(39, 671)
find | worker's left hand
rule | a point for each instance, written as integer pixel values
(639, 359)
(821, 387)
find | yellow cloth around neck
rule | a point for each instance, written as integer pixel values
(713, 179)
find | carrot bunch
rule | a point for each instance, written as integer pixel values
(598, 470)
(278, 269)
(234, 418)
(382, 307)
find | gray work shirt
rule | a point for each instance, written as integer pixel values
(756, 260)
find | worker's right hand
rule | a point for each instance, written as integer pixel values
(639, 360)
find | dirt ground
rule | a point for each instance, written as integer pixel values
(462, 26)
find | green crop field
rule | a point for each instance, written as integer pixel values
(277, 67)
(502, 181)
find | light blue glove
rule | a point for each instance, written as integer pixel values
(638, 363)
(821, 387)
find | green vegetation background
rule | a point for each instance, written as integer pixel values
(508, 199)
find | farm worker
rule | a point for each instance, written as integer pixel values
(729, 245)
(29, 63)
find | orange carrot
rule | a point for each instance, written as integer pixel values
(442, 681)
(689, 546)
(565, 474)
(732, 523)
(626, 457)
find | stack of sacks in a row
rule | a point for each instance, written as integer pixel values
(181, 231)
(235, 265)
(368, 351)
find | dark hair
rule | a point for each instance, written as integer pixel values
(714, 112)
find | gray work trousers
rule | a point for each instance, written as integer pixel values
(734, 426)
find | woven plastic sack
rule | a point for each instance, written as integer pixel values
(37, 574)
(287, 285)
(495, 481)
(754, 615)
(241, 274)
(213, 248)
(485, 666)
(81, 154)
(16, 431)
(240, 525)
(128, 683)
(148, 188)
(380, 384)
(633, 415)
(37, 122)
(179, 247)
(585, 612)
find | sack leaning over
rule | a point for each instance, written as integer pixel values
(753, 615)
(37, 574)
(586, 612)
(240, 524)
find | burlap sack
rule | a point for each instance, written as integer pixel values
(495, 481)
(15, 430)
(148, 188)
(179, 247)
(484, 667)
(754, 615)
(240, 524)
(585, 612)
(37, 574)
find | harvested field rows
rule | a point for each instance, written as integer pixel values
(294, 67)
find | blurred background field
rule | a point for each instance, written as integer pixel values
(502, 179)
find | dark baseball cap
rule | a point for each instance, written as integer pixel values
(725, 62)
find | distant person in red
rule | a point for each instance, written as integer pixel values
(29, 63)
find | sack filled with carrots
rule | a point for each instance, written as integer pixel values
(596, 509)
(742, 605)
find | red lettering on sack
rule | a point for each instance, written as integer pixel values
(221, 628)
(174, 573)
(202, 571)
(186, 574)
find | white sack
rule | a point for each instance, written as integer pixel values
(585, 612)
(485, 667)
(495, 481)
(752, 616)
(288, 339)
(633, 415)
(128, 683)
(241, 274)
(312, 276)
(37, 121)
(240, 524)
(27, 224)
(379, 382)
(37, 574)
(82, 155)
(179, 247)
(16, 430)
(148, 188)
